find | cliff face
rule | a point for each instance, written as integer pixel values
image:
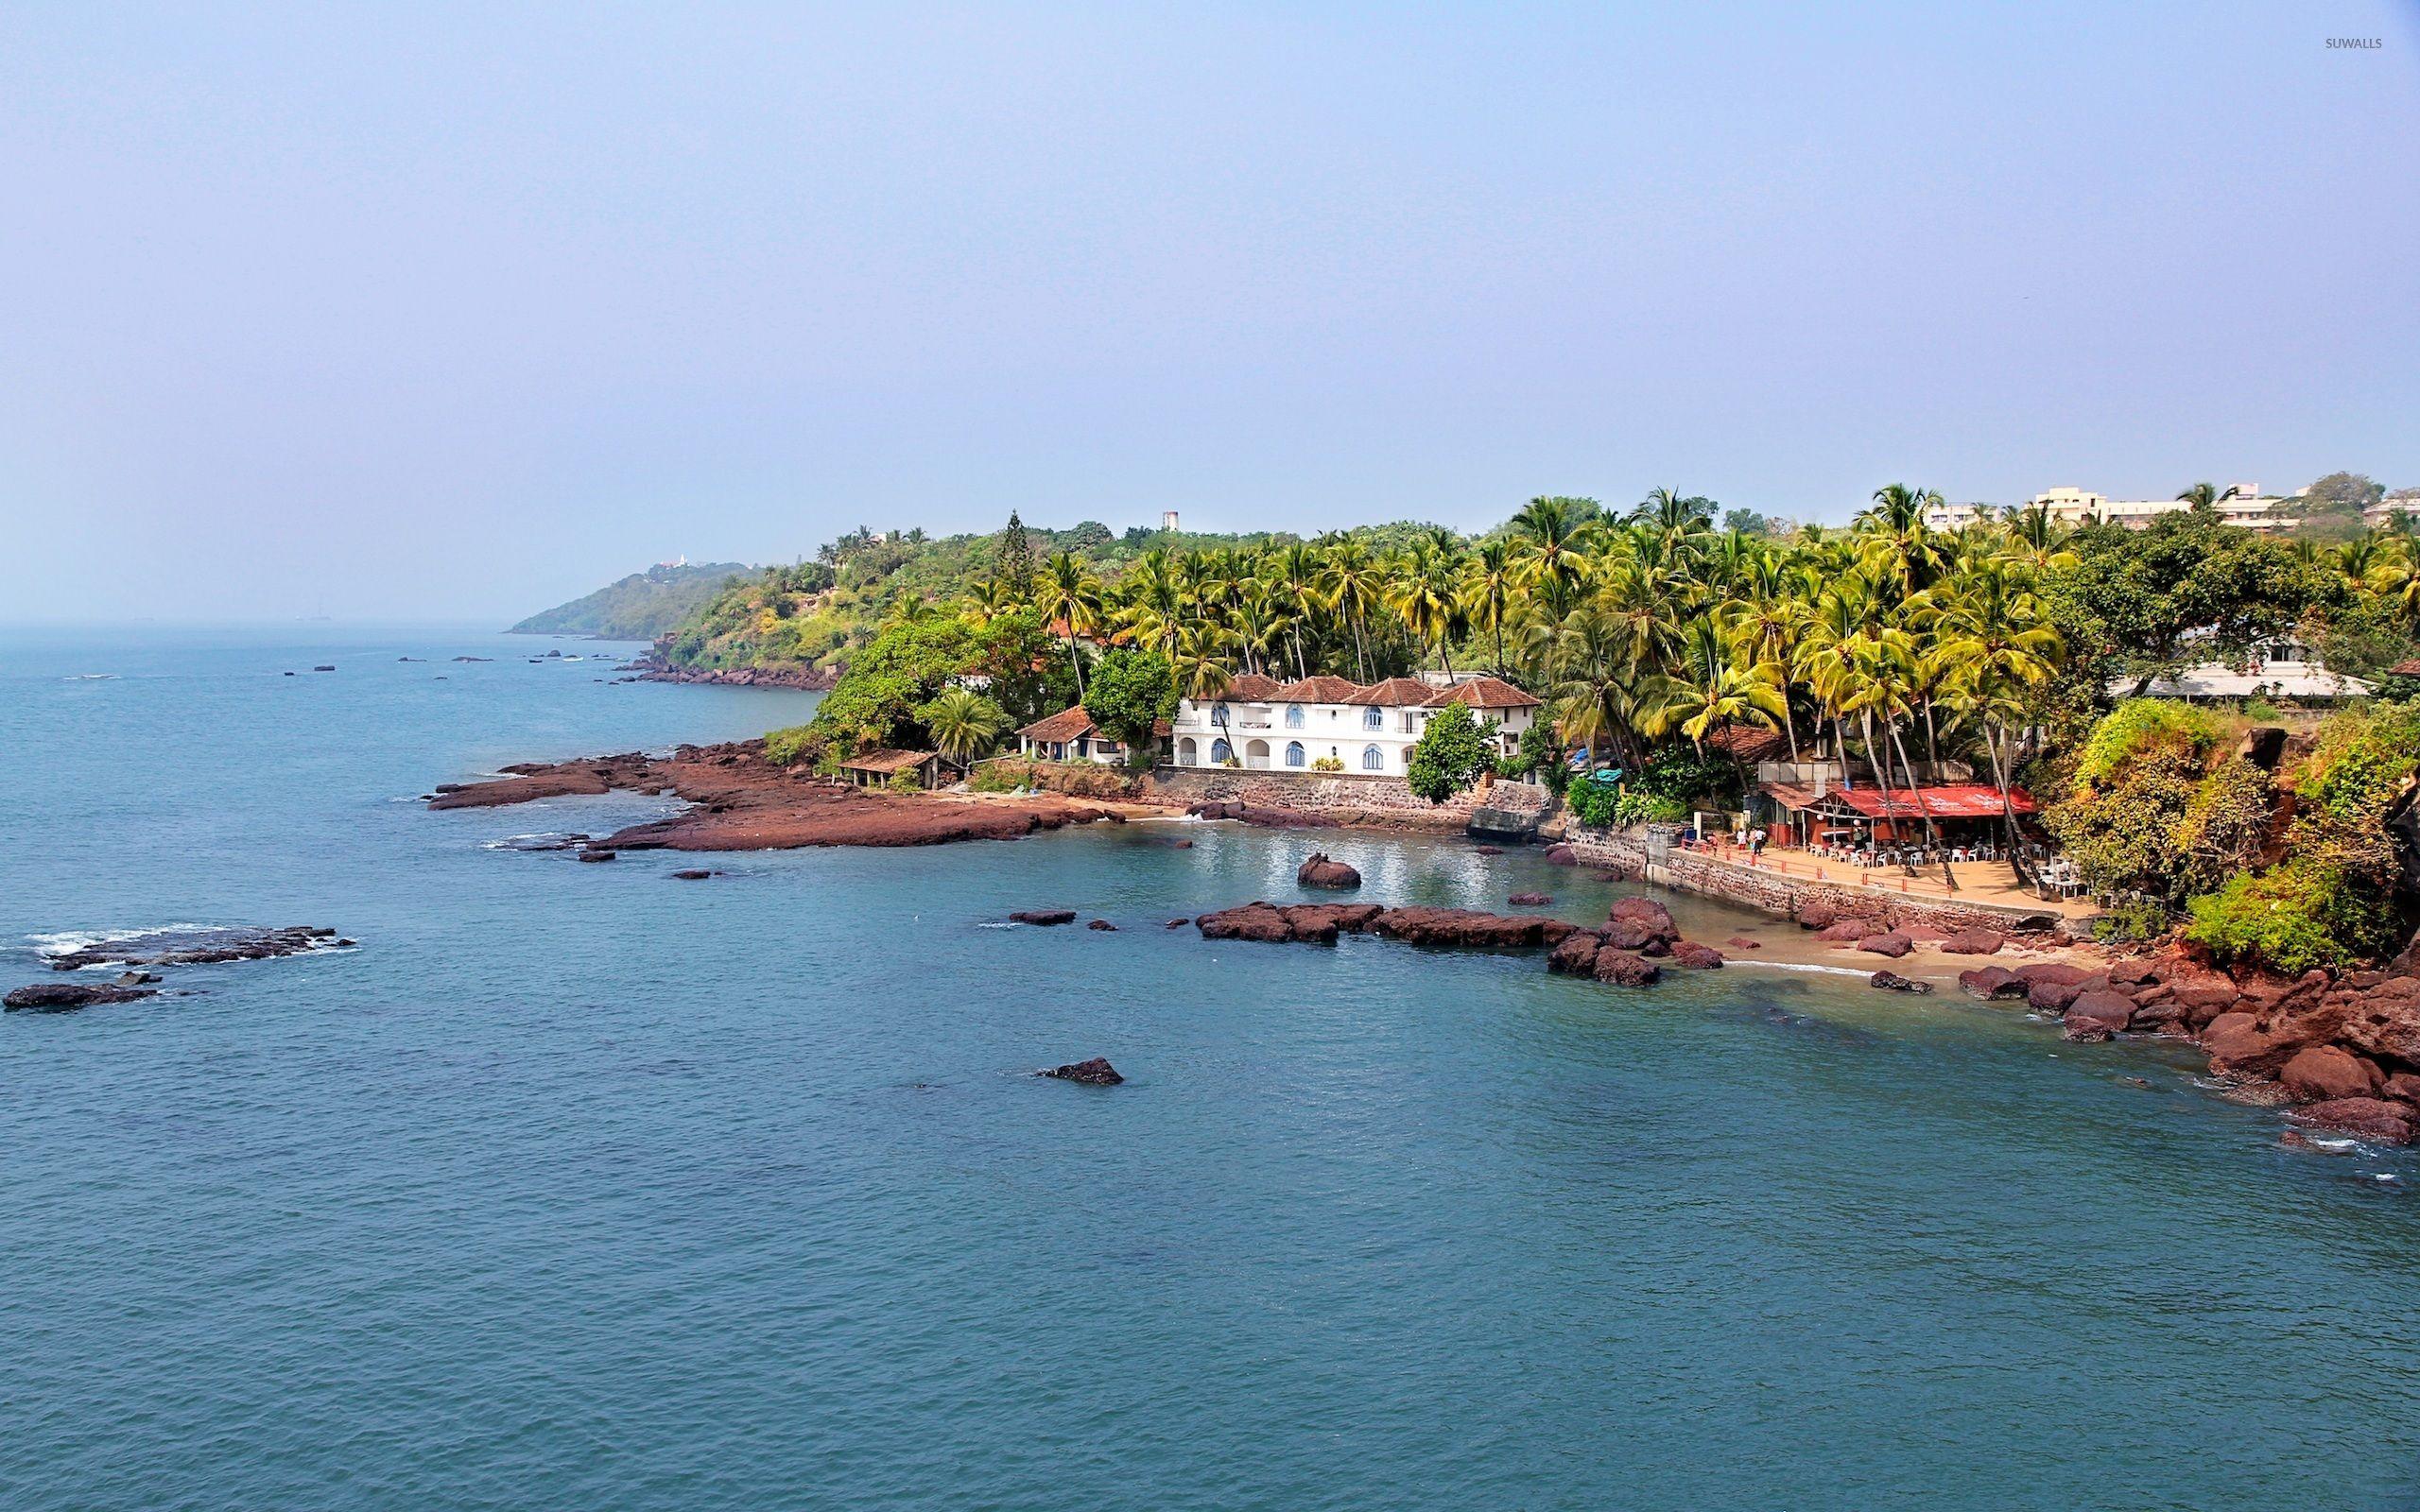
(638, 608)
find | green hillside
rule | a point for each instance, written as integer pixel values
(640, 607)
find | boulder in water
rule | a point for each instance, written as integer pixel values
(1893, 982)
(1096, 1072)
(1530, 900)
(1102, 924)
(66, 997)
(1043, 916)
(1318, 871)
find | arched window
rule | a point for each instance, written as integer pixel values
(1293, 716)
(1374, 717)
(1186, 753)
(1218, 714)
(1372, 759)
(1220, 753)
(1293, 753)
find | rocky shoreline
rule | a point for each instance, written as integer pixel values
(2338, 1052)
(740, 802)
(802, 679)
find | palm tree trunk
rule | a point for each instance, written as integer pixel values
(1076, 662)
(1933, 836)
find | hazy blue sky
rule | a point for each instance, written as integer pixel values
(439, 311)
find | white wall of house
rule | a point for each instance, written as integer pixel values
(1291, 738)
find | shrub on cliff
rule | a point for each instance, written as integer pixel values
(2289, 918)
(784, 747)
(1452, 753)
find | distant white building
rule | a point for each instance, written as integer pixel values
(2244, 506)
(1167, 520)
(2277, 669)
(1266, 725)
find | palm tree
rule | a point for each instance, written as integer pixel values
(1071, 594)
(1487, 591)
(1297, 569)
(1555, 533)
(2205, 496)
(1707, 689)
(964, 724)
(1426, 595)
(1354, 586)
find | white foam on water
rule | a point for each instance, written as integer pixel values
(68, 941)
(90, 676)
(1809, 967)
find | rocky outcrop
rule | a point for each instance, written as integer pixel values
(1893, 943)
(1893, 982)
(66, 997)
(596, 853)
(2370, 1118)
(1695, 956)
(1562, 855)
(1320, 871)
(1622, 968)
(1641, 924)
(1103, 925)
(1530, 900)
(803, 678)
(1096, 1072)
(1469, 929)
(2328, 1074)
(1267, 818)
(198, 946)
(1974, 942)
(1043, 916)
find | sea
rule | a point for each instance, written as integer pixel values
(578, 1186)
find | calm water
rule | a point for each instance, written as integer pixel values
(578, 1187)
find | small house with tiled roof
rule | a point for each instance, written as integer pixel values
(1070, 736)
(878, 768)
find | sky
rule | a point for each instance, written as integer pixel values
(439, 311)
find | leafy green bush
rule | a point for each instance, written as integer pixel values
(1451, 754)
(2224, 822)
(1539, 755)
(784, 747)
(2290, 918)
(2140, 919)
(1678, 772)
(1592, 803)
(2142, 727)
(1648, 808)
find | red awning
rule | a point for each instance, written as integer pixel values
(1962, 800)
(1956, 800)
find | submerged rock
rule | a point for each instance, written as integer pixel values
(1530, 900)
(1102, 924)
(594, 855)
(1043, 916)
(1622, 968)
(1096, 1072)
(693, 874)
(66, 997)
(2372, 1118)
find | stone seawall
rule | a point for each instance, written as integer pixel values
(1349, 797)
(1648, 851)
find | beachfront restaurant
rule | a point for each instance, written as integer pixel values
(1861, 823)
(875, 769)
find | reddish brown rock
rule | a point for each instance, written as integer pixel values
(1741, 942)
(1848, 931)
(1699, 957)
(1622, 968)
(1817, 915)
(1318, 871)
(1893, 943)
(2109, 1010)
(1102, 924)
(1177, 923)
(1974, 942)
(1893, 982)
(1991, 983)
(1562, 855)
(2086, 1031)
(2371, 1118)
(2325, 1073)
(1530, 900)
(2403, 1084)
(1469, 929)
(1043, 916)
(1576, 954)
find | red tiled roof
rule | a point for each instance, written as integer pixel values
(887, 760)
(1747, 743)
(1483, 693)
(1318, 689)
(1065, 725)
(1252, 688)
(1955, 801)
(1395, 693)
(2406, 669)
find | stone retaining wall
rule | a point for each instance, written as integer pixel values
(1648, 851)
(1339, 794)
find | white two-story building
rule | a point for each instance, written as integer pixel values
(1268, 726)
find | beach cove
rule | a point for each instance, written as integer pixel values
(583, 1185)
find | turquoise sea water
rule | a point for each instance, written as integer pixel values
(576, 1186)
